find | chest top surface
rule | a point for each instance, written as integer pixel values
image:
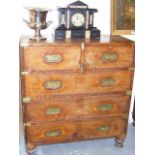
(107, 39)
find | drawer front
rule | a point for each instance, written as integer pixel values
(42, 85)
(77, 108)
(51, 58)
(75, 131)
(113, 56)
(51, 132)
(103, 128)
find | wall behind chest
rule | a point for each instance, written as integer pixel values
(102, 18)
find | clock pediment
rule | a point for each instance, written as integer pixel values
(78, 4)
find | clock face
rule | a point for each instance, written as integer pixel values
(78, 19)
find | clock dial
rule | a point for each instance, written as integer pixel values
(78, 20)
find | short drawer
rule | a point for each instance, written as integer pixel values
(44, 58)
(41, 85)
(109, 56)
(74, 131)
(76, 108)
(51, 132)
(102, 128)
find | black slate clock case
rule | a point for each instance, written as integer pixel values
(67, 29)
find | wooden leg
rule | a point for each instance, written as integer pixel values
(119, 141)
(31, 149)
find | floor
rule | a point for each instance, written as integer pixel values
(95, 147)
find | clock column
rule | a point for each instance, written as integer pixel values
(68, 19)
(62, 19)
(91, 21)
(87, 19)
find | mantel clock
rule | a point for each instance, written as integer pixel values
(77, 21)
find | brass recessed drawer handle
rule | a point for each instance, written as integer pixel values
(53, 111)
(53, 133)
(109, 56)
(52, 58)
(108, 82)
(53, 84)
(105, 107)
(103, 128)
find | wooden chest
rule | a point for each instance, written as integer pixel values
(75, 90)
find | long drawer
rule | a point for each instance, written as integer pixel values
(48, 84)
(76, 108)
(73, 131)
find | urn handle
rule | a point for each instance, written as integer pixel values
(108, 82)
(109, 56)
(53, 133)
(53, 84)
(24, 20)
(53, 58)
(49, 23)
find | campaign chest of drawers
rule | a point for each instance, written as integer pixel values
(75, 90)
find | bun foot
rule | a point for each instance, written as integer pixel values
(30, 150)
(118, 143)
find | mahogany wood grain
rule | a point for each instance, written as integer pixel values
(86, 84)
(34, 58)
(93, 55)
(77, 108)
(75, 83)
(76, 130)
